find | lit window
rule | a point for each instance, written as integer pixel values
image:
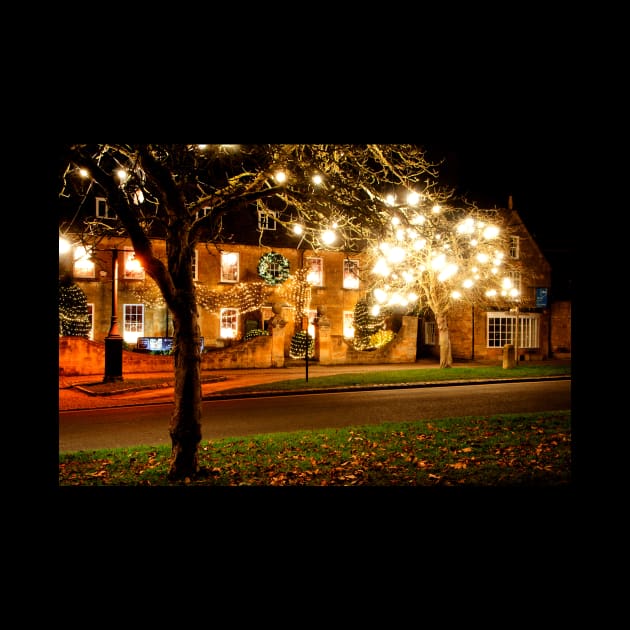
(348, 324)
(350, 273)
(515, 278)
(229, 266)
(229, 323)
(133, 322)
(514, 247)
(133, 269)
(83, 265)
(310, 316)
(315, 275)
(90, 308)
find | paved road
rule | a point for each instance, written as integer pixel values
(148, 424)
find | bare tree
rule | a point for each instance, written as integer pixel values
(333, 196)
(438, 254)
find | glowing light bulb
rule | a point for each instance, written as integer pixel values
(328, 237)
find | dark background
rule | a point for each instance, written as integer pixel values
(490, 169)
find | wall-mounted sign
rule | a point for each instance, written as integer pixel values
(163, 344)
(541, 297)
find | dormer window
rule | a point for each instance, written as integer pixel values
(102, 209)
(266, 220)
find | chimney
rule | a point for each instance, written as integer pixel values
(510, 205)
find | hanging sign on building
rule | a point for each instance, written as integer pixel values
(541, 297)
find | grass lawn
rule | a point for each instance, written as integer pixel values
(531, 449)
(423, 375)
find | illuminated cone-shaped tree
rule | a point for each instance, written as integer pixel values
(436, 254)
(366, 323)
(74, 318)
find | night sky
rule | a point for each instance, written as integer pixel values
(489, 170)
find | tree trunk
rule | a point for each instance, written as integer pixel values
(185, 426)
(446, 357)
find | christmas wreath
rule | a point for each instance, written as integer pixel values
(273, 268)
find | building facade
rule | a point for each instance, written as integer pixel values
(240, 284)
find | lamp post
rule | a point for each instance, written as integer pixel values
(114, 340)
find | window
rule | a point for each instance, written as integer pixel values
(350, 273)
(266, 220)
(132, 268)
(133, 325)
(515, 278)
(229, 266)
(201, 213)
(514, 247)
(102, 209)
(348, 324)
(315, 273)
(195, 265)
(90, 308)
(429, 333)
(501, 329)
(83, 265)
(310, 316)
(229, 323)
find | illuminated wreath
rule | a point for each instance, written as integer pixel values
(273, 268)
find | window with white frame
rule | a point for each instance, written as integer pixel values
(132, 269)
(515, 279)
(102, 209)
(501, 329)
(315, 275)
(195, 265)
(133, 322)
(266, 220)
(514, 247)
(202, 212)
(229, 266)
(90, 308)
(229, 323)
(83, 264)
(348, 324)
(350, 273)
(430, 333)
(311, 314)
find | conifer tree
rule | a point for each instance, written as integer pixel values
(74, 320)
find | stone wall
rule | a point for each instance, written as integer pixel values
(336, 350)
(79, 356)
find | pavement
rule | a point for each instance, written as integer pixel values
(81, 392)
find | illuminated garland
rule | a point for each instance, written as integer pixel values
(148, 293)
(246, 297)
(297, 291)
(273, 268)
